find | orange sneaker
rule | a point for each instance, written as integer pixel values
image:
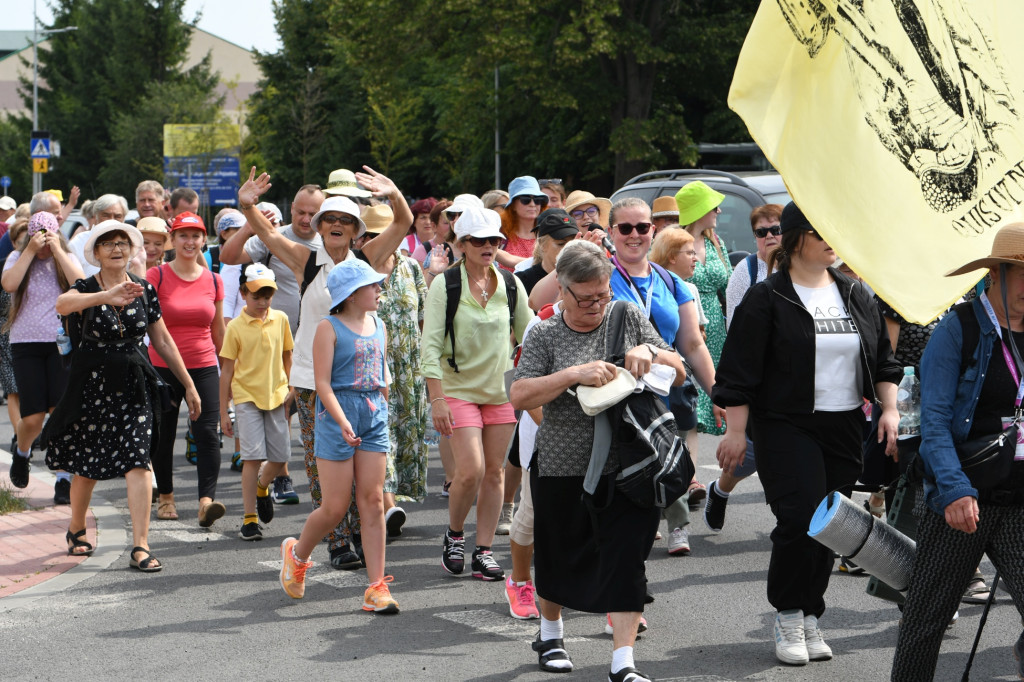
(293, 571)
(378, 597)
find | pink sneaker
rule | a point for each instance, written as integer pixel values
(521, 602)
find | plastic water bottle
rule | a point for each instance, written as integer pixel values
(63, 342)
(431, 436)
(908, 401)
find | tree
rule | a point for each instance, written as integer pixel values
(14, 155)
(100, 72)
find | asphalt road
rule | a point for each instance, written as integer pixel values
(217, 611)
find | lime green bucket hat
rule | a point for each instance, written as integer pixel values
(694, 200)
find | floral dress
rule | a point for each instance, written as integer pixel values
(711, 276)
(114, 433)
(402, 298)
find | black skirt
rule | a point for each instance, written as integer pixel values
(589, 561)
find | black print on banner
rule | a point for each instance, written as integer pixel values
(942, 115)
(835, 325)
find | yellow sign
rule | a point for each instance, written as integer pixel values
(899, 130)
(202, 139)
(40, 165)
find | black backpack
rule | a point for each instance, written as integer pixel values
(453, 288)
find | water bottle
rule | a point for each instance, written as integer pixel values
(908, 401)
(63, 342)
(431, 436)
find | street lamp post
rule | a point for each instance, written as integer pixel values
(37, 178)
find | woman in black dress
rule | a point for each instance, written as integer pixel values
(105, 424)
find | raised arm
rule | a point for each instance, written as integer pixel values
(232, 252)
(378, 249)
(292, 254)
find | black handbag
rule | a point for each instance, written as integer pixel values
(988, 460)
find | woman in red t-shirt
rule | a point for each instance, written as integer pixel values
(191, 299)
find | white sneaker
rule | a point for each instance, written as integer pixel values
(679, 542)
(505, 520)
(817, 650)
(790, 647)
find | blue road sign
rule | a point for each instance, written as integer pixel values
(5, 182)
(214, 178)
(40, 147)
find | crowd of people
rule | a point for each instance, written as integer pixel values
(379, 321)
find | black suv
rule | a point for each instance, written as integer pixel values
(743, 193)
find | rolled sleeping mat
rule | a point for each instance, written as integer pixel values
(850, 531)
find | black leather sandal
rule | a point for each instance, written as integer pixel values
(146, 565)
(551, 650)
(75, 541)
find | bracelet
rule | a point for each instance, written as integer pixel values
(435, 400)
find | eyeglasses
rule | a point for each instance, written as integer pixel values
(331, 219)
(591, 213)
(814, 233)
(526, 200)
(110, 246)
(762, 232)
(626, 228)
(590, 302)
(691, 253)
(480, 241)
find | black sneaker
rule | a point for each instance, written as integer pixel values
(19, 470)
(283, 492)
(714, 509)
(62, 491)
(344, 559)
(485, 567)
(250, 531)
(628, 675)
(265, 508)
(453, 553)
(394, 519)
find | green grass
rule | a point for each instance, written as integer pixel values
(9, 501)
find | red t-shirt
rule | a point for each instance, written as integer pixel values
(188, 309)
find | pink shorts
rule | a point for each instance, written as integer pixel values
(467, 414)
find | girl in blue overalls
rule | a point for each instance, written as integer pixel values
(349, 366)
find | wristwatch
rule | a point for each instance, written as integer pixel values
(654, 351)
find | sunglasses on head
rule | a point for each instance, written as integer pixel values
(626, 228)
(763, 232)
(480, 241)
(526, 200)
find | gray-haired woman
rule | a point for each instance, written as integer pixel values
(586, 563)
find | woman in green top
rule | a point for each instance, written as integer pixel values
(467, 391)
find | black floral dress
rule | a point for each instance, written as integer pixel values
(105, 423)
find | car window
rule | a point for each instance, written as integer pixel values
(780, 198)
(648, 194)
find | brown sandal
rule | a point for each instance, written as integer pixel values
(167, 511)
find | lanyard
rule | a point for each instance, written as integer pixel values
(636, 290)
(1010, 364)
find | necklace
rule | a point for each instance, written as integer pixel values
(483, 285)
(117, 310)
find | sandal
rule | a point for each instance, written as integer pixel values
(697, 491)
(75, 541)
(167, 511)
(549, 651)
(146, 565)
(977, 591)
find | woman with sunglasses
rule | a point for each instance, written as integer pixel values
(805, 348)
(698, 214)
(519, 220)
(467, 391)
(667, 302)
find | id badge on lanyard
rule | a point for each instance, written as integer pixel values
(1018, 414)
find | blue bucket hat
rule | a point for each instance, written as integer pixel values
(525, 185)
(349, 275)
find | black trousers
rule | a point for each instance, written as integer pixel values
(204, 430)
(800, 459)
(944, 564)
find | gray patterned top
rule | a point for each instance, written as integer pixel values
(566, 434)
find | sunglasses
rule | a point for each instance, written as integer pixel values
(763, 232)
(549, 181)
(526, 200)
(330, 219)
(626, 228)
(452, 215)
(480, 241)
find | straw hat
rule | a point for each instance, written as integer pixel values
(154, 225)
(579, 198)
(377, 218)
(1007, 247)
(342, 182)
(665, 207)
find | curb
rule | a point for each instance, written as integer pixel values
(111, 542)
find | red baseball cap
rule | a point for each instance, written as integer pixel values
(189, 221)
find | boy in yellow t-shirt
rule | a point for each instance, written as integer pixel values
(256, 357)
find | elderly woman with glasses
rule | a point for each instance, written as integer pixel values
(108, 420)
(585, 561)
(465, 380)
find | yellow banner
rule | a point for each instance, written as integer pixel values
(897, 125)
(202, 139)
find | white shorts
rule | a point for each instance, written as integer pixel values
(262, 434)
(522, 521)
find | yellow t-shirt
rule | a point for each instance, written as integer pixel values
(256, 347)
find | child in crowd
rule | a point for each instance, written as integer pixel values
(256, 357)
(351, 431)
(228, 222)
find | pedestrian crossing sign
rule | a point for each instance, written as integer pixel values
(41, 148)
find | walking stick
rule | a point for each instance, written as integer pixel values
(981, 625)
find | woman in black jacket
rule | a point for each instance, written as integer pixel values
(805, 348)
